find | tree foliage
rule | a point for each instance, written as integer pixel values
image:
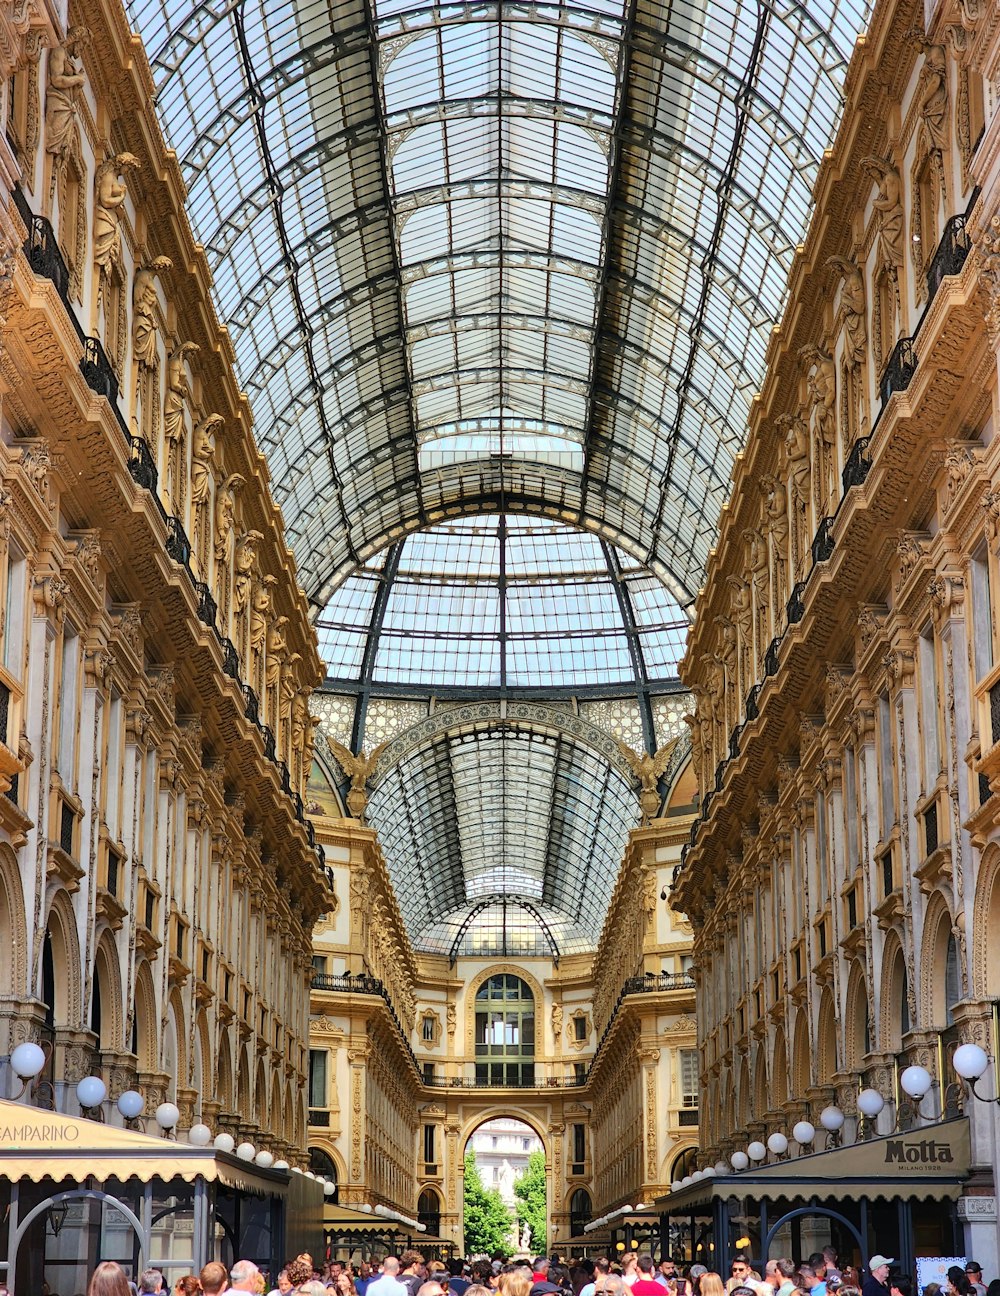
(487, 1219)
(529, 1189)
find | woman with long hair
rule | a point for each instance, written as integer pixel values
(108, 1279)
(711, 1284)
(517, 1283)
(189, 1285)
(344, 1284)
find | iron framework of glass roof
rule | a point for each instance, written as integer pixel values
(480, 254)
(503, 840)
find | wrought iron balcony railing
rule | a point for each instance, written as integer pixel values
(950, 255)
(899, 371)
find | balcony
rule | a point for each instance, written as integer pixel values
(178, 545)
(950, 256)
(858, 465)
(141, 463)
(97, 371)
(822, 545)
(795, 609)
(899, 371)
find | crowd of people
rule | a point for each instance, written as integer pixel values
(632, 1275)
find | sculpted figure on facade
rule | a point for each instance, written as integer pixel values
(110, 192)
(225, 513)
(934, 93)
(65, 78)
(776, 514)
(174, 406)
(258, 625)
(795, 434)
(888, 207)
(144, 330)
(203, 458)
(760, 577)
(741, 608)
(852, 304)
(822, 388)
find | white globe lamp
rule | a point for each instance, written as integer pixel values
(200, 1135)
(167, 1115)
(915, 1081)
(803, 1132)
(756, 1150)
(721, 1168)
(832, 1119)
(969, 1060)
(246, 1151)
(329, 1188)
(870, 1103)
(224, 1142)
(777, 1143)
(675, 1186)
(739, 1161)
(130, 1103)
(264, 1159)
(27, 1060)
(91, 1091)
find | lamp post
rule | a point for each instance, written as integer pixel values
(28, 1061)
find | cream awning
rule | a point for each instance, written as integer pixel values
(37, 1145)
(930, 1162)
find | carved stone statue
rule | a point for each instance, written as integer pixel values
(258, 615)
(888, 209)
(776, 512)
(245, 559)
(110, 192)
(822, 386)
(358, 769)
(277, 649)
(203, 458)
(174, 405)
(65, 77)
(852, 302)
(648, 770)
(934, 94)
(760, 579)
(225, 512)
(795, 436)
(144, 312)
(741, 606)
(557, 1022)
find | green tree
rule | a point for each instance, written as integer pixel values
(529, 1189)
(487, 1219)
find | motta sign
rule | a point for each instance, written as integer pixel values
(919, 1152)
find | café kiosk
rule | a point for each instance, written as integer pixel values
(901, 1194)
(74, 1192)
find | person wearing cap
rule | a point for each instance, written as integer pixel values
(877, 1282)
(974, 1273)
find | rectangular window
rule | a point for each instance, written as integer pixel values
(429, 1143)
(317, 1078)
(69, 719)
(886, 764)
(579, 1144)
(427, 1031)
(13, 644)
(689, 1077)
(929, 709)
(319, 964)
(982, 614)
(114, 766)
(821, 860)
(851, 811)
(580, 1028)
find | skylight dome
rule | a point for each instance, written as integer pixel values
(502, 602)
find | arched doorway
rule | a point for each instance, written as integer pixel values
(429, 1211)
(62, 1237)
(581, 1211)
(506, 1196)
(322, 1163)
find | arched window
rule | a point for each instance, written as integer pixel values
(321, 1163)
(684, 1164)
(505, 1032)
(580, 1212)
(952, 980)
(429, 1211)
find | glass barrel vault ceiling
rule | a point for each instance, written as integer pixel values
(502, 602)
(515, 255)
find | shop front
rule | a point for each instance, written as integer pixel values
(74, 1192)
(899, 1195)
(355, 1235)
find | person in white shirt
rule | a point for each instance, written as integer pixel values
(388, 1284)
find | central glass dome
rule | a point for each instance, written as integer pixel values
(502, 602)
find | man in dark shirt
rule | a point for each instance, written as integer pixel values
(877, 1282)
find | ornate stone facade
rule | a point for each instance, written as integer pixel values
(393, 1040)
(842, 876)
(158, 879)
